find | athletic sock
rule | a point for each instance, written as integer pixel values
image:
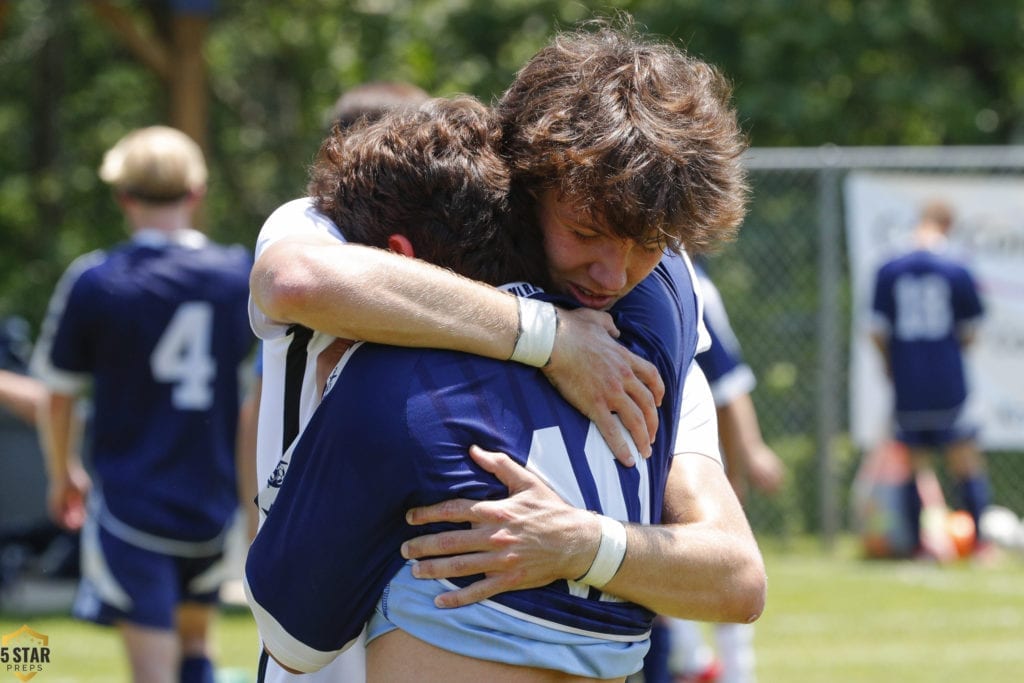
(912, 511)
(196, 670)
(975, 496)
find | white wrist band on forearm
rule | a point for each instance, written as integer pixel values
(538, 322)
(610, 553)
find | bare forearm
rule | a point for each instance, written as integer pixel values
(55, 421)
(245, 457)
(739, 429)
(703, 563)
(359, 292)
(21, 395)
(882, 344)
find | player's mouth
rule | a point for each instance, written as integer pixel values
(591, 299)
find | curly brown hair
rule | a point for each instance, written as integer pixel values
(434, 175)
(636, 132)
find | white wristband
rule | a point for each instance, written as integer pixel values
(538, 322)
(609, 554)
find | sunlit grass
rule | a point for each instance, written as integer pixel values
(85, 653)
(831, 618)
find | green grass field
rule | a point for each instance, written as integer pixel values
(831, 618)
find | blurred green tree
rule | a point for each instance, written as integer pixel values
(806, 73)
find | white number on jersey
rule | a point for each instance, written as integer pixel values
(923, 308)
(549, 459)
(182, 356)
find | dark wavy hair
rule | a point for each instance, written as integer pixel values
(434, 175)
(634, 131)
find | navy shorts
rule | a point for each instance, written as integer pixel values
(936, 431)
(123, 582)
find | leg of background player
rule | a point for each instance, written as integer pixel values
(736, 651)
(691, 659)
(193, 633)
(152, 653)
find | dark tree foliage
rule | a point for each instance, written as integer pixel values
(867, 72)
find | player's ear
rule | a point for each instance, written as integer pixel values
(400, 244)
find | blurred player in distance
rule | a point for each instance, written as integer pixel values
(925, 312)
(369, 101)
(157, 326)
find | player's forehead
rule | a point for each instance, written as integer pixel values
(572, 212)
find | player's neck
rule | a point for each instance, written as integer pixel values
(929, 236)
(164, 219)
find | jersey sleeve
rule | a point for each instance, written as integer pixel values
(297, 217)
(331, 541)
(698, 421)
(883, 310)
(62, 357)
(967, 304)
(722, 363)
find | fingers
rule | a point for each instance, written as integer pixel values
(589, 316)
(475, 592)
(614, 434)
(450, 543)
(454, 510)
(499, 570)
(508, 471)
(647, 373)
(68, 515)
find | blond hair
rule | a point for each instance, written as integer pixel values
(155, 164)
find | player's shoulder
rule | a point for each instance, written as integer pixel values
(89, 266)
(666, 300)
(296, 217)
(231, 256)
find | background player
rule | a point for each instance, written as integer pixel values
(926, 309)
(159, 326)
(304, 522)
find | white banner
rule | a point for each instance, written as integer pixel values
(881, 211)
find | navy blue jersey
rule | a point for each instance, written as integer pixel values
(922, 301)
(161, 329)
(394, 433)
(722, 363)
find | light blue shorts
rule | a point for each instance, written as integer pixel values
(486, 631)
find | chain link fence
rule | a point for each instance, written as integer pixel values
(786, 283)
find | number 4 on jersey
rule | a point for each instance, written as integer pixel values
(182, 356)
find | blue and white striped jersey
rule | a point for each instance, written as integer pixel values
(160, 327)
(394, 433)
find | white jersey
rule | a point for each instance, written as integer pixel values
(287, 401)
(297, 217)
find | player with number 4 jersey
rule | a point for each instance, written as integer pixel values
(158, 326)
